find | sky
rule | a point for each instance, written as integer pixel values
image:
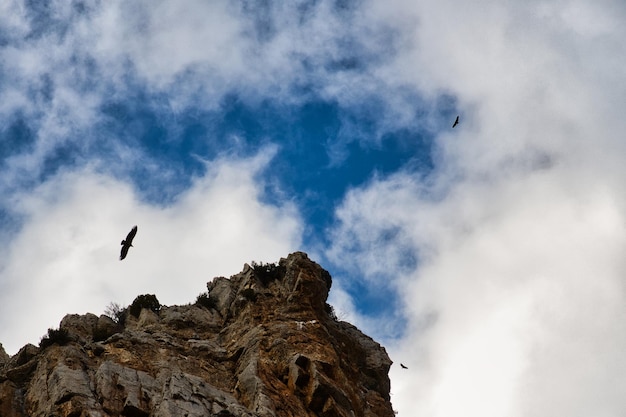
(488, 258)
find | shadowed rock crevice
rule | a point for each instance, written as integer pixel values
(261, 344)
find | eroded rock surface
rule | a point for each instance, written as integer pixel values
(263, 345)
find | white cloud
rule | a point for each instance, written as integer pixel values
(163, 40)
(517, 302)
(515, 306)
(197, 51)
(190, 54)
(518, 292)
(65, 257)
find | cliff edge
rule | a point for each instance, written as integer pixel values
(262, 343)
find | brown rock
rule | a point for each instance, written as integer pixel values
(4, 357)
(11, 400)
(263, 345)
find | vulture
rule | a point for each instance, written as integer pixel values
(128, 242)
(403, 367)
(456, 122)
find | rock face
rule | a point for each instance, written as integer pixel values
(263, 343)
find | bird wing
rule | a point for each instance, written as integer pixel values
(126, 244)
(124, 251)
(131, 235)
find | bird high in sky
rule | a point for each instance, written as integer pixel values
(128, 242)
(488, 258)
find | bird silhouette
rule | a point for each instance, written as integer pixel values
(456, 122)
(403, 367)
(128, 242)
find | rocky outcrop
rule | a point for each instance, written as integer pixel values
(262, 343)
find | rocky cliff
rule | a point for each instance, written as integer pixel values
(262, 343)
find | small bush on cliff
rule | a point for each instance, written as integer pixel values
(58, 336)
(117, 313)
(268, 272)
(330, 310)
(205, 300)
(148, 301)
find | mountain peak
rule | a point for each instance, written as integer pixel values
(262, 343)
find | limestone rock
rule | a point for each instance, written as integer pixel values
(80, 327)
(263, 345)
(4, 358)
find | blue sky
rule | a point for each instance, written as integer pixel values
(488, 258)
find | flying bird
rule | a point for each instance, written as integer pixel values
(456, 122)
(128, 242)
(403, 367)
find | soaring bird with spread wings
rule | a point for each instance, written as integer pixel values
(128, 242)
(456, 122)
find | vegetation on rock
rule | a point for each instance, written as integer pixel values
(147, 301)
(205, 300)
(268, 272)
(58, 336)
(264, 343)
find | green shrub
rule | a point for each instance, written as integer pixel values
(58, 336)
(268, 272)
(205, 300)
(148, 301)
(330, 310)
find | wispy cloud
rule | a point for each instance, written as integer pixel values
(65, 66)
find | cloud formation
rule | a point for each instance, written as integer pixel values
(506, 253)
(514, 303)
(65, 258)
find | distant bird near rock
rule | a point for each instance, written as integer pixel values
(403, 367)
(456, 122)
(128, 242)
